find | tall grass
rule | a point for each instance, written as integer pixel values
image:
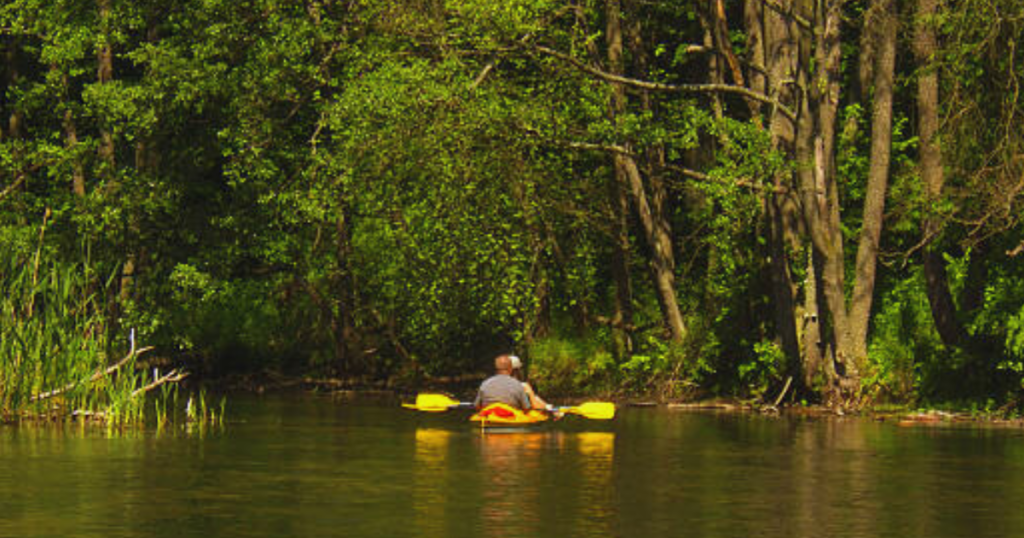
(52, 334)
(55, 359)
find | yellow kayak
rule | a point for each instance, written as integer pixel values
(502, 415)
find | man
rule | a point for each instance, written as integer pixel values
(502, 387)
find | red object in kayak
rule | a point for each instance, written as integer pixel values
(503, 415)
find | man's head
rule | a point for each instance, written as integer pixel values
(503, 364)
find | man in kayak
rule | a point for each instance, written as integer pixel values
(503, 388)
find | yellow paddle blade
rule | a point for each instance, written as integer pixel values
(432, 402)
(593, 410)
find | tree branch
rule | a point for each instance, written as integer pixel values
(10, 188)
(804, 23)
(687, 172)
(1016, 251)
(523, 41)
(662, 87)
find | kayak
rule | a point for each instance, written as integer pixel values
(505, 416)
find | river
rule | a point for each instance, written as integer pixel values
(317, 466)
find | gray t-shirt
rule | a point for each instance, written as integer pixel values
(502, 389)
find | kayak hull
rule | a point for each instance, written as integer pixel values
(504, 416)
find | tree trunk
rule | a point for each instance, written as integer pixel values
(772, 46)
(757, 74)
(813, 315)
(71, 137)
(820, 196)
(714, 64)
(810, 323)
(348, 351)
(104, 74)
(937, 285)
(659, 239)
(14, 119)
(883, 34)
(622, 309)
(834, 270)
(658, 195)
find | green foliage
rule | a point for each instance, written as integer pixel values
(853, 160)
(564, 366)
(391, 187)
(764, 371)
(1015, 336)
(561, 366)
(1001, 319)
(906, 357)
(54, 346)
(50, 331)
(230, 323)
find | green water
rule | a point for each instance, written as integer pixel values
(320, 467)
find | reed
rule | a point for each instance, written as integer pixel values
(51, 334)
(54, 350)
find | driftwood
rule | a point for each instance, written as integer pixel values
(99, 374)
(172, 377)
(706, 406)
(774, 408)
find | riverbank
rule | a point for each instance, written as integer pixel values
(903, 415)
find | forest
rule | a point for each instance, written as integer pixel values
(812, 199)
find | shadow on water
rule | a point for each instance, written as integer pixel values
(320, 467)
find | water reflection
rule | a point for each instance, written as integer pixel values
(596, 453)
(323, 469)
(512, 475)
(519, 483)
(430, 497)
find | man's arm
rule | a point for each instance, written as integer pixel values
(535, 401)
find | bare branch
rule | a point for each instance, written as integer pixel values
(662, 87)
(687, 172)
(483, 74)
(172, 377)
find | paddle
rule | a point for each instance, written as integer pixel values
(435, 403)
(591, 410)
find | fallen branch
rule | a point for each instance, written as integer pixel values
(172, 377)
(789, 380)
(99, 374)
